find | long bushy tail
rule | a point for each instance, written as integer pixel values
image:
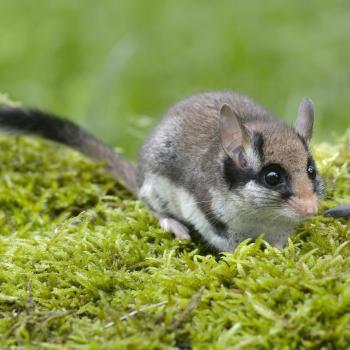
(35, 122)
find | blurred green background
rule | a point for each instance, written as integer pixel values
(115, 66)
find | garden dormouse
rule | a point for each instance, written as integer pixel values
(217, 164)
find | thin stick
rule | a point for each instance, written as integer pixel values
(185, 314)
(135, 312)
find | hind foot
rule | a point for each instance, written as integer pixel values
(171, 225)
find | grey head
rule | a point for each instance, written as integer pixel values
(270, 173)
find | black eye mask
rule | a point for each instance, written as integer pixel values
(341, 211)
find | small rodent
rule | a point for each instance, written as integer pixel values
(218, 167)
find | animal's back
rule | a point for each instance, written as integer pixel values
(187, 138)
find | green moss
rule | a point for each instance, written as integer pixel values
(84, 266)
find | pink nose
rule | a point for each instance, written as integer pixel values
(305, 206)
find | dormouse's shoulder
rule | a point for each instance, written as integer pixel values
(212, 101)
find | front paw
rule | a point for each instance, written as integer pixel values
(177, 228)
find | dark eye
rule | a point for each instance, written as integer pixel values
(273, 175)
(273, 178)
(311, 172)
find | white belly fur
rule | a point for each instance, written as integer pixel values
(182, 205)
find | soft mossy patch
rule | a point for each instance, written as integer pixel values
(84, 266)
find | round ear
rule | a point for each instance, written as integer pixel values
(234, 136)
(305, 120)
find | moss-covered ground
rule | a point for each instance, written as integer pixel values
(85, 266)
